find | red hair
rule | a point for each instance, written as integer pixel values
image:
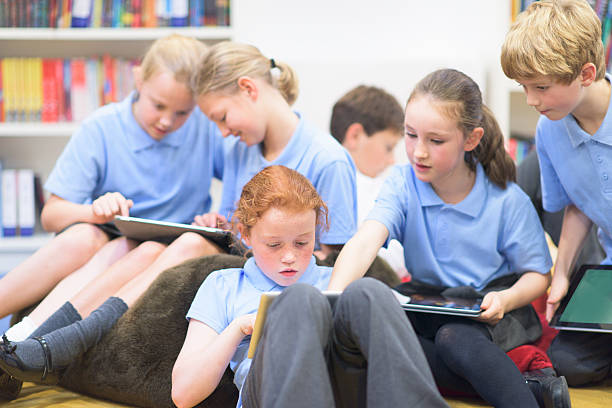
(282, 188)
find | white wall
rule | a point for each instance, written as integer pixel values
(335, 45)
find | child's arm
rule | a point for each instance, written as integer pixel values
(574, 230)
(358, 254)
(529, 287)
(204, 357)
(58, 213)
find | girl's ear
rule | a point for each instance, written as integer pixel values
(588, 74)
(244, 233)
(473, 139)
(248, 86)
(353, 135)
(137, 73)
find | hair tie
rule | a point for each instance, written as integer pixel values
(272, 63)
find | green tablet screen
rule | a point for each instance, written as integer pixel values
(591, 302)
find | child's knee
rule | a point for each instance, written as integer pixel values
(365, 287)
(149, 249)
(82, 237)
(194, 245)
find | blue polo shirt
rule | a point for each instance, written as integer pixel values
(316, 155)
(491, 233)
(167, 180)
(576, 168)
(230, 293)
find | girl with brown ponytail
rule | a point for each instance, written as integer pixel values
(465, 227)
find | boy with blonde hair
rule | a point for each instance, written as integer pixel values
(554, 50)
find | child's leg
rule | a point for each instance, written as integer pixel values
(41, 359)
(36, 276)
(290, 366)
(467, 349)
(372, 333)
(72, 284)
(583, 358)
(187, 246)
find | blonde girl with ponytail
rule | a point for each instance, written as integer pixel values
(249, 96)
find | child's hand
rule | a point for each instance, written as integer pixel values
(211, 220)
(105, 207)
(246, 323)
(493, 308)
(558, 290)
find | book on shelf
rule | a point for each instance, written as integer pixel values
(26, 211)
(53, 90)
(21, 202)
(113, 13)
(9, 202)
(518, 147)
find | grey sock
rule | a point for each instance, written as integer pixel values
(67, 343)
(63, 317)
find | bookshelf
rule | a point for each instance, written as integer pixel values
(37, 145)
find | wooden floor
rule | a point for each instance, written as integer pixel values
(54, 397)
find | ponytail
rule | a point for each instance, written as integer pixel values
(227, 61)
(491, 153)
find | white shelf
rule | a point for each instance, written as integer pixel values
(24, 244)
(119, 34)
(24, 129)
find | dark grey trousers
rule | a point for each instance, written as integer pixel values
(582, 357)
(364, 355)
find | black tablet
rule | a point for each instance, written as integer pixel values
(442, 305)
(588, 303)
(142, 229)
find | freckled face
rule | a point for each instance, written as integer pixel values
(552, 99)
(163, 105)
(282, 243)
(235, 115)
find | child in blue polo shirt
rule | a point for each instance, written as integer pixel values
(152, 155)
(554, 50)
(249, 96)
(465, 228)
(367, 341)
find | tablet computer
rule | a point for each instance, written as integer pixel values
(588, 303)
(265, 301)
(442, 305)
(142, 229)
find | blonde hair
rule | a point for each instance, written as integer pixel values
(461, 100)
(279, 187)
(554, 38)
(175, 54)
(227, 61)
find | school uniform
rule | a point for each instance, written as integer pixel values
(485, 242)
(317, 156)
(229, 293)
(576, 168)
(491, 233)
(301, 340)
(167, 180)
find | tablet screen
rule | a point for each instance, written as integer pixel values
(443, 305)
(588, 305)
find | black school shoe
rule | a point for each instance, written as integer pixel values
(550, 391)
(10, 387)
(12, 365)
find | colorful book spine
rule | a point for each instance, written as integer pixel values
(9, 203)
(179, 13)
(26, 213)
